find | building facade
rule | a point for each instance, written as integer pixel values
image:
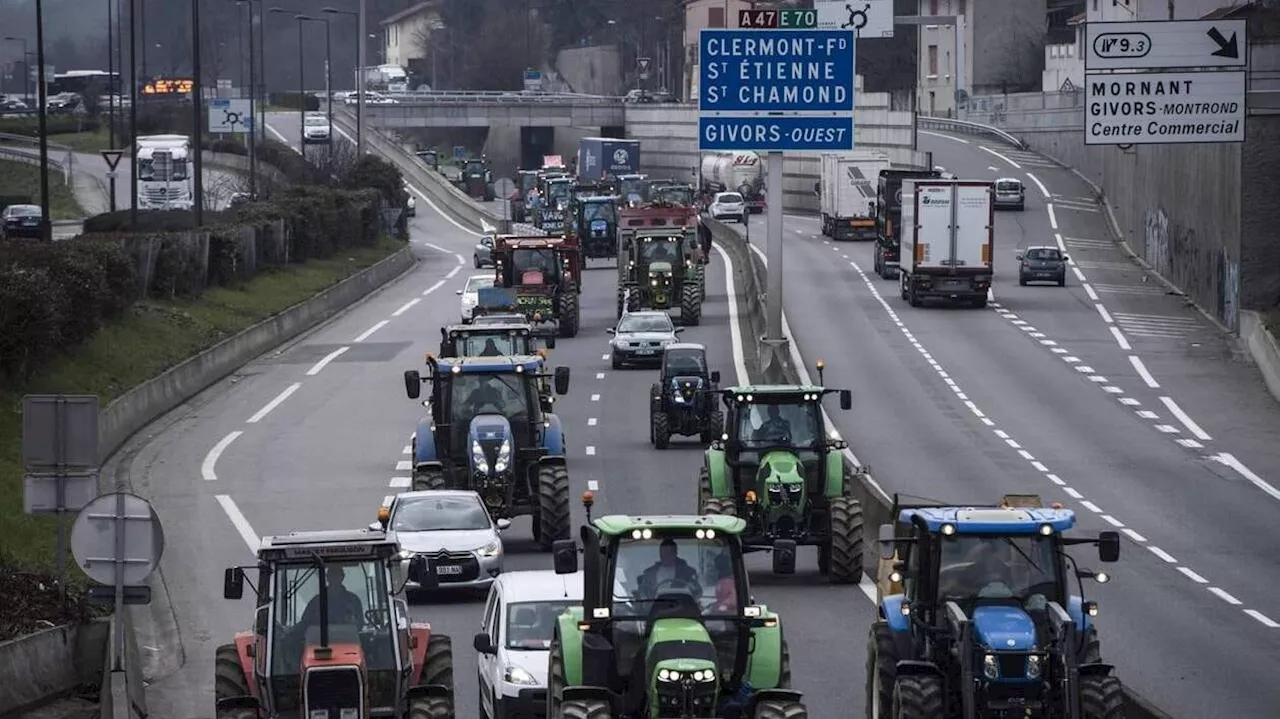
(405, 34)
(700, 14)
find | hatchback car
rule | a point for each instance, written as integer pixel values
(728, 206)
(315, 128)
(1010, 194)
(1042, 264)
(471, 294)
(482, 255)
(410, 203)
(641, 336)
(452, 528)
(22, 221)
(514, 643)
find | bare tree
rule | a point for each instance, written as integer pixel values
(220, 186)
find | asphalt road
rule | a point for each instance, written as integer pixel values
(318, 445)
(1108, 395)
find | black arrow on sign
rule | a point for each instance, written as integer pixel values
(1226, 48)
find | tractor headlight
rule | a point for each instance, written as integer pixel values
(706, 675)
(1033, 666)
(349, 713)
(477, 457)
(653, 282)
(504, 456)
(516, 675)
(492, 549)
(666, 675)
(795, 489)
(775, 491)
(989, 668)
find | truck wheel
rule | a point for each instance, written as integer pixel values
(661, 430)
(918, 696)
(431, 708)
(1101, 697)
(882, 668)
(714, 427)
(845, 540)
(553, 504)
(780, 709)
(913, 296)
(690, 305)
(902, 284)
(585, 709)
(429, 478)
(229, 679)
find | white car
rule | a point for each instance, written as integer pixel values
(411, 204)
(514, 642)
(315, 128)
(728, 206)
(370, 98)
(452, 528)
(471, 294)
(640, 337)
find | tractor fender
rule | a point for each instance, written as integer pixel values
(781, 695)
(244, 647)
(765, 666)
(891, 611)
(1096, 670)
(717, 472)
(834, 474)
(428, 690)
(419, 637)
(1075, 608)
(553, 436)
(571, 645)
(586, 693)
(425, 443)
(917, 667)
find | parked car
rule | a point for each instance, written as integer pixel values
(482, 256)
(471, 294)
(454, 528)
(640, 337)
(23, 221)
(728, 206)
(1042, 264)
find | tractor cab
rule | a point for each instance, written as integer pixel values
(539, 277)
(658, 266)
(477, 179)
(667, 627)
(430, 158)
(490, 340)
(556, 195)
(988, 604)
(683, 400)
(633, 190)
(595, 221)
(332, 633)
(678, 194)
(522, 204)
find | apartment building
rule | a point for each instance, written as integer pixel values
(403, 33)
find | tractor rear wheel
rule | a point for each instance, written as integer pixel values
(704, 487)
(429, 478)
(553, 504)
(622, 298)
(845, 540)
(690, 305)
(229, 679)
(437, 666)
(784, 666)
(431, 708)
(661, 429)
(918, 696)
(716, 505)
(780, 709)
(585, 709)
(714, 427)
(882, 664)
(1101, 697)
(568, 317)
(555, 678)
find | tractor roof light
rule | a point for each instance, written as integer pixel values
(1091, 608)
(456, 369)
(705, 534)
(519, 369)
(589, 498)
(1102, 577)
(905, 609)
(1046, 530)
(895, 577)
(384, 515)
(948, 529)
(751, 496)
(642, 534)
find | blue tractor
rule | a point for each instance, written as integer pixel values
(982, 616)
(488, 429)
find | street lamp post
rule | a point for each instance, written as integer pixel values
(197, 97)
(360, 47)
(254, 108)
(302, 86)
(41, 93)
(111, 80)
(328, 66)
(26, 67)
(133, 112)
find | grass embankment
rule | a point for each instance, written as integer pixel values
(19, 178)
(151, 337)
(87, 142)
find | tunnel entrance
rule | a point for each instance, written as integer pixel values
(535, 142)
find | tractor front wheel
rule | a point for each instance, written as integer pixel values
(845, 541)
(713, 428)
(585, 709)
(568, 318)
(555, 678)
(882, 667)
(553, 504)
(229, 679)
(690, 305)
(704, 487)
(661, 430)
(429, 478)
(918, 696)
(1101, 697)
(784, 666)
(431, 708)
(780, 709)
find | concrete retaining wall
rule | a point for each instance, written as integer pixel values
(595, 70)
(51, 663)
(1263, 347)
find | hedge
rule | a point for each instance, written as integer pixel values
(55, 124)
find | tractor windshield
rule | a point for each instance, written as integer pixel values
(529, 260)
(489, 393)
(633, 190)
(496, 344)
(530, 625)
(359, 613)
(793, 424)
(973, 567)
(557, 192)
(599, 211)
(685, 363)
(660, 249)
(674, 195)
(696, 572)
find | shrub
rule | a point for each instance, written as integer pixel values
(375, 173)
(55, 124)
(293, 166)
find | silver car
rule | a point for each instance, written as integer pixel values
(1010, 194)
(453, 530)
(641, 336)
(482, 255)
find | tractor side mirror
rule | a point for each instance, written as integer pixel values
(846, 400)
(715, 376)
(1066, 258)
(483, 644)
(610, 331)
(784, 556)
(564, 553)
(412, 384)
(1018, 257)
(887, 541)
(1109, 546)
(677, 330)
(233, 583)
(421, 567)
(562, 380)
(551, 342)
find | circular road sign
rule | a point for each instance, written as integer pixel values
(502, 187)
(94, 538)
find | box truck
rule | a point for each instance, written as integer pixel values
(889, 217)
(847, 193)
(599, 157)
(948, 229)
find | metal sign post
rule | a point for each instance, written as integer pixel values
(112, 158)
(60, 457)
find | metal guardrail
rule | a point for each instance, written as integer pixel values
(66, 166)
(500, 98)
(11, 139)
(964, 127)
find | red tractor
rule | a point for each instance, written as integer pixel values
(331, 635)
(543, 276)
(659, 218)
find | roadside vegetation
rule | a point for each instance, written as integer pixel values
(20, 185)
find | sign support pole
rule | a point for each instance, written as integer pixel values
(775, 343)
(60, 479)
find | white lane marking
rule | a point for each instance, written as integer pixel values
(1120, 338)
(399, 482)
(1056, 480)
(591, 450)
(433, 288)
(595, 398)
(945, 137)
(593, 485)
(604, 357)
(1112, 520)
(1102, 311)
(868, 587)
(1088, 290)
(1079, 274)
(1016, 166)
(1266, 621)
(442, 213)
(365, 335)
(257, 417)
(1193, 576)
(408, 449)
(282, 138)
(404, 465)
(599, 375)
(1147, 414)
(211, 459)
(1230, 460)
(1167, 428)
(1185, 419)
(1189, 443)
(1224, 596)
(251, 539)
(406, 306)
(1040, 467)
(324, 361)
(1072, 493)
(592, 421)
(1098, 379)
(1130, 402)
(735, 333)
(1112, 390)
(1091, 507)
(1044, 190)
(1134, 535)
(453, 273)
(1053, 217)
(1163, 555)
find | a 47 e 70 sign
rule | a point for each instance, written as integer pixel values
(758, 71)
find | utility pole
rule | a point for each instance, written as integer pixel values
(111, 81)
(46, 227)
(197, 93)
(253, 110)
(362, 32)
(133, 113)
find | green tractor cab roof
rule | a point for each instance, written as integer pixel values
(667, 524)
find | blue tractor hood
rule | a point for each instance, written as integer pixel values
(685, 389)
(1003, 628)
(489, 429)
(599, 228)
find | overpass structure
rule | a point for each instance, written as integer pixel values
(495, 109)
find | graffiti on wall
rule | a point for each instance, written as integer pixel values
(1229, 297)
(1195, 263)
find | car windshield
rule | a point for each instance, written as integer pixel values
(531, 625)
(489, 393)
(1043, 254)
(730, 198)
(23, 211)
(645, 323)
(495, 344)
(686, 569)
(316, 121)
(686, 362)
(792, 423)
(1008, 186)
(660, 249)
(599, 211)
(475, 283)
(439, 514)
(978, 567)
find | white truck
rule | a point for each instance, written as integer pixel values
(847, 193)
(948, 231)
(163, 164)
(385, 78)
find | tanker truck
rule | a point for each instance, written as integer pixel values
(741, 172)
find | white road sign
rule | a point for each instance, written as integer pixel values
(1165, 44)
(1164, 108)
(867, 18)
(229, 116)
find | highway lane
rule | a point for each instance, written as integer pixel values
(1043, 422)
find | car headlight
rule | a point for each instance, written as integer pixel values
(477, 457)
(515, 675)
(504, 456)
(491, 549)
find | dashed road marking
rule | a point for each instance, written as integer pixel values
(210, 462)
(365, 335)
(324, 361)
(279, 399)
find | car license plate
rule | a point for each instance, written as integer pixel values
(954, 283)
(448, 569)
(1044, 274)
(646, 352)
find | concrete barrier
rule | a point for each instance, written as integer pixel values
(750, 276)
(1263, 348)
(50, 664)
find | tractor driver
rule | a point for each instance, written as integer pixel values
(490, 349)
(669, 570)
(981, 573)
(486, 394)
(344, 606)
(775, 427)
(660, 251)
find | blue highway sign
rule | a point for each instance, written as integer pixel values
(782, 134)
(744, 71)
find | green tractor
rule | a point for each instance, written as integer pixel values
(477, 180)
(688, 643)
(656, 272)
(777, 467)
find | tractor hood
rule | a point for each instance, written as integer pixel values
(1003, 628)
(659, 268)
(685, 389)
(490, 434)
(682, 666)
(783, 486)
(599, 228)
